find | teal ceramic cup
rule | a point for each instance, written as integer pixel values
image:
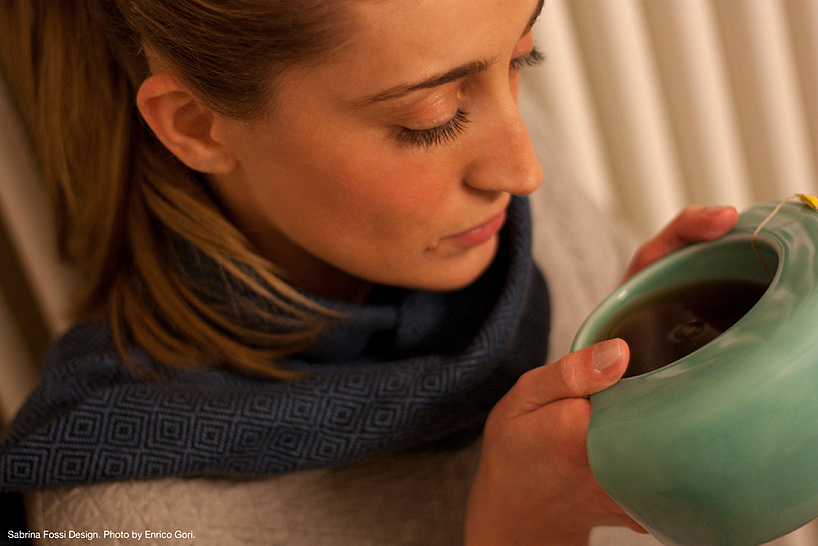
(720, 447)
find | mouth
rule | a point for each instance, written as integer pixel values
(479, 234)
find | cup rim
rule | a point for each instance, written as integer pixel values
(643, 284)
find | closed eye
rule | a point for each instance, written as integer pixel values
(532, 58)
(427, 138)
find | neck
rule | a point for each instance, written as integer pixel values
(299, 268)
(309, 273)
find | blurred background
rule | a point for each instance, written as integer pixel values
(660, 103)
(652, 104)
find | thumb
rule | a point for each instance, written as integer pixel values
(576, 375)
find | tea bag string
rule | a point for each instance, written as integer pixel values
(809, 200)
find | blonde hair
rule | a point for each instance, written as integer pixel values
(121, 200)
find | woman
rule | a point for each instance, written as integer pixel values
(306, 246)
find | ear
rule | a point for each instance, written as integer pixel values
(184, 125)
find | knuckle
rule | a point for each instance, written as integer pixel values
(571, 420)
(569, 372)
(577, 414)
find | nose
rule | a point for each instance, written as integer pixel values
(504, 159)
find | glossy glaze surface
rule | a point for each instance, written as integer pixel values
(721, 446)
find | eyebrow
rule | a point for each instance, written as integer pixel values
(441, 79)
(435, 81)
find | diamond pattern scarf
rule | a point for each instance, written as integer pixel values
(408, 370)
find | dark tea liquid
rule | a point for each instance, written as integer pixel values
(662, 327)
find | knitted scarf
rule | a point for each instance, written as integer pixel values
(413, 370)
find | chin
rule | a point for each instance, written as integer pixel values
(454, 272)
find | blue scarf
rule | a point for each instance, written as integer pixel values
(410, 370)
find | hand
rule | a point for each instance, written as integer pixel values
(533, 485)
(694, 224)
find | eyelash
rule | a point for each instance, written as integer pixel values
(428, 138)
(533, 58)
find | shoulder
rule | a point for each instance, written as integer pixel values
(87, 351)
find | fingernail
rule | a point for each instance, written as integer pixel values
(606, 354)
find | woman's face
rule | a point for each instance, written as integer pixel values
(392, 161)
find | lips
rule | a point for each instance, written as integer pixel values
(480, 233)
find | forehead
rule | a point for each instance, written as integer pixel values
(398, 41)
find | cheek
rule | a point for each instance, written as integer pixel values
(417, 189)
(387, 187)
(352, 169)
(354, 191)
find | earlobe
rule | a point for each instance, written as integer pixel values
(183, 124)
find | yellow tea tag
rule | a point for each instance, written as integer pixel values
(809, 200)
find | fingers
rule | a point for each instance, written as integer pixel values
(579, 374)
(534, 485)
(702, 224)
(693, 224)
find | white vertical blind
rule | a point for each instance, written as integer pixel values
(780, 101)
(683, 101)
(561, 86)
(627, 91)
(802, 18)
(697, 91)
